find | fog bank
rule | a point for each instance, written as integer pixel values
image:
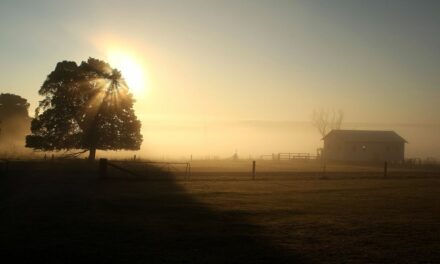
(208, 139)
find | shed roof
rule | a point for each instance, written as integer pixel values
(365, 136)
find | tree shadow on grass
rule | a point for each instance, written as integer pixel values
(68, 215)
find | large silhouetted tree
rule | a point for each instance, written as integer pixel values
(86, 107)
(14, 118)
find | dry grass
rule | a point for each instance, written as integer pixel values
(61, 212)
(334, 221)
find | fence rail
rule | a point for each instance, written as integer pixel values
(104, 163)
(289, 156)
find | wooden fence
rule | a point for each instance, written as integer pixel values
(104, 164)
(288, 156)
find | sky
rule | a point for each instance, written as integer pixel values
(227, 61)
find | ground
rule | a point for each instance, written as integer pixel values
(62, 212)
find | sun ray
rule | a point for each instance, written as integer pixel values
(132, 71)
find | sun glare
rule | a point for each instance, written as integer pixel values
(132, 71)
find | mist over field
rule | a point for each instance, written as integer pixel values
(252, 138)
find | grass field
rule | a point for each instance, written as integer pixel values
(63, 213)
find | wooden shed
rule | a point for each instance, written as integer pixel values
(363, 146)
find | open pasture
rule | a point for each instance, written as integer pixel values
(63, 212)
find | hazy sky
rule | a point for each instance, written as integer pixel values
(379, 61)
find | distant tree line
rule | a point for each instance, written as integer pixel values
(14, 120)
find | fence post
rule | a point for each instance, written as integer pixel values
(103, 168)
(189, 170)
(385, 169)
(253, 170)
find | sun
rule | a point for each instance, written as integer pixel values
(132, 71)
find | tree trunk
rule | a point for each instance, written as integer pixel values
(92, 154)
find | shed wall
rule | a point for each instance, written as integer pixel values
(339, 150)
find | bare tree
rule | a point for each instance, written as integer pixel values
(327, 119)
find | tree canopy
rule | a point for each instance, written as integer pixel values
(85, 107)
(14, 118)
(12, 105)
